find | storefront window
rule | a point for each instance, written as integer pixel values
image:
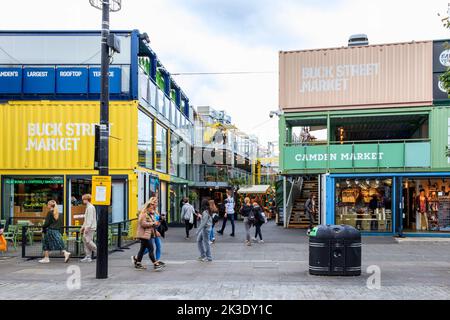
(183, 160)
(174, 140)
(365, 204)
(77, 188)
(26, 198)
(426, 203)
(145, 140)
(161, 149)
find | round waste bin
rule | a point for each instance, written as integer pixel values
(335, 251)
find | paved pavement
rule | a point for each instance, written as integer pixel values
(274, 270)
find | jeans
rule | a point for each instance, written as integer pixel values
(89, 244)
(230, 216)
(157, 243)
(247, 226)
(212, 236)
(203, 244)
(146, 245)
(258, 231)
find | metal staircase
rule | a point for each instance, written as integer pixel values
(298, 219)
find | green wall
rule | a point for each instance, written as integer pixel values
(439, 133)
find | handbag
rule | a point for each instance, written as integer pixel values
(3, 244)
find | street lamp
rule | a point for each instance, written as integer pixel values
(103, 149)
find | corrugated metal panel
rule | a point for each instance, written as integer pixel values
(440, 137)
(59, 135)
(396, 74)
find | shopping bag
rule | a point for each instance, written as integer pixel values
(3, 243)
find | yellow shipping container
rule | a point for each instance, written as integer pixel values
(59, 135)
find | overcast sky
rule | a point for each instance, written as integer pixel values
(239, 35)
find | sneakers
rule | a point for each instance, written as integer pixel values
(139, 266)
(201, 259)
(158, 266)
(86, 260)
(261, 241)
(248, 243)
(45, 260)
(66, 256)
(220, 232)
(254, 239)
(232, 235)
(162, 263)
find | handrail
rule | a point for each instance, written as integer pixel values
(296, 189)
(312, 143)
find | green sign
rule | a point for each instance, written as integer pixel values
(34, 181)
(386, 155)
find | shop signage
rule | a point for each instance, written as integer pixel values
(72, 80)
(115, 80)
(57, 136)
(10, 80)
(387, 155)
(34, 181)
(39, 80)
(441, 62)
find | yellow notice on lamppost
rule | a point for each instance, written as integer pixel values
(101, 190)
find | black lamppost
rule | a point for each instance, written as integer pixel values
(107, 43)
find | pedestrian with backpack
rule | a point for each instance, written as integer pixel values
(249, 219)
(260, 219)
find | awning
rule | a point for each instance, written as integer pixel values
(256, 189)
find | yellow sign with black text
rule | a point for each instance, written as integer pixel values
(101, 190)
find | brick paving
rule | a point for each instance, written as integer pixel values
(274, 270)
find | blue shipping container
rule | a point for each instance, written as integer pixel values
(72, 80)
(115, 80)
(11, 80)
(39, 80)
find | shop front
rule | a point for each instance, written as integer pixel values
(410, 204)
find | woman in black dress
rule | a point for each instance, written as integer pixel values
(51, 229)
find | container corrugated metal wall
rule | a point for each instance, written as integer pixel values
(440, 137)
(357, 77)
(60, 135)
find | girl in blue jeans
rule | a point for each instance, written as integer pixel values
(157, 243)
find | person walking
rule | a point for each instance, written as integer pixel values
(260, 219)
(189, 216)
(249, 219)
(310, 210)
(229, 213)
(88, 228)
(145, 232)
(215, 218)
(52, 234)
(157, 241)
(203, 232)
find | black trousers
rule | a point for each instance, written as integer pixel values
(224, 224)
(146, 244)
(187, 227)
(258, 231)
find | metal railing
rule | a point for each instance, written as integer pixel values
(295, 192)
(324, 143)
(120, 237)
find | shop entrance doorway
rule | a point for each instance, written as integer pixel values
(426, 204)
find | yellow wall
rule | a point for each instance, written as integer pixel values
(55, 135)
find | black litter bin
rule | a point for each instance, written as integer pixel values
(335, 251)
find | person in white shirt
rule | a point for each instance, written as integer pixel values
(88, 229)
(229, 213)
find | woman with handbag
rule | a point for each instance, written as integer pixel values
(145, 232)
(51, 229)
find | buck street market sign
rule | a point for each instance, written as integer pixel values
(388, 155)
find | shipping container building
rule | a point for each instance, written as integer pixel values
(367, 129)
(49, 92)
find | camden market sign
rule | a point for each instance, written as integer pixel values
(388, 155)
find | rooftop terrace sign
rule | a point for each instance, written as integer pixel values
(357, 77)
(387, 155)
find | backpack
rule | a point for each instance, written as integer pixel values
(251, 216)
(215, 218)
